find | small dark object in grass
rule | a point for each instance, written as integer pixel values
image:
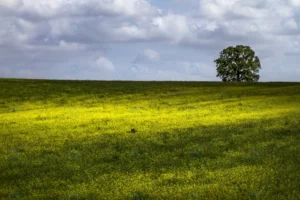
(133, 130)
(195, 153)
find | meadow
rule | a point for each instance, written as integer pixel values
(149, 140)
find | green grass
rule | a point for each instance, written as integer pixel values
(193, 140)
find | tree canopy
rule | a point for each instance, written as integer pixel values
(238, 64)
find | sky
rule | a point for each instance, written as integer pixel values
(173, 40)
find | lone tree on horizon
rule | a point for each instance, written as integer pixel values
(238, 64)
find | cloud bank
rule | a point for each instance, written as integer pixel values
(145, 40)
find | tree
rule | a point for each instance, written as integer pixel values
(238, 64)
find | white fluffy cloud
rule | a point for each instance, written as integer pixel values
(104, 63)
(294, 2)
(69, 46)
(147, 56)
(10, 3)
(59, 8)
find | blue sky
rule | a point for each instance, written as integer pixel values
(145, 39)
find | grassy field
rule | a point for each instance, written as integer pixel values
(149, 140)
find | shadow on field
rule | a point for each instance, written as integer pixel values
(233, 160)
(63, 92)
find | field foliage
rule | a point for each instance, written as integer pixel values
(149, 140)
